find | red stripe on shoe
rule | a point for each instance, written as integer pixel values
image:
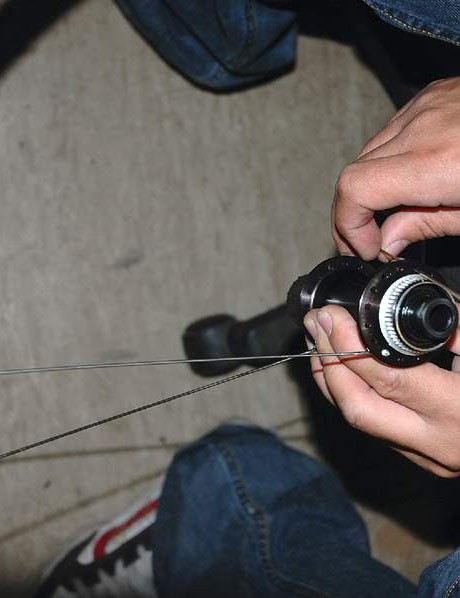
(109, 535)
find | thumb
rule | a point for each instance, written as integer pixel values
(416, 224)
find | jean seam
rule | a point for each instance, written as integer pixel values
(411, 28)
(219, 69)
(146, 34)
(259, 517)
(452, 587)
(232, 62)
(238, 60)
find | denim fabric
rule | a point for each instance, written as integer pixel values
(218, 44)
(230, 44)
(242, 515)
(441, 579)
(435, 18)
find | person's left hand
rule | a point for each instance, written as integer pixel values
(416, 410)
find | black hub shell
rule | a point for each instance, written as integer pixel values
(336, 281)
(359, 287)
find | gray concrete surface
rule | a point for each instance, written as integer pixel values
(131, 204)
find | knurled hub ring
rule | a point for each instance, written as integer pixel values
(388, 310)
(380, 339)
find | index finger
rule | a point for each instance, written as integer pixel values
(367, 186)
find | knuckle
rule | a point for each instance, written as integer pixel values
(422, 100)
(433, 226)
(434, 90)
(389, 383)
(424, 119)
(436, 83)
(372, 142)
(439, 224)
(353, 414)
(443, 85)
(348, 194)
(347, 182)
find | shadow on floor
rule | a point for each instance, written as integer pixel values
(22, 22)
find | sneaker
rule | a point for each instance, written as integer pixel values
(114, 561)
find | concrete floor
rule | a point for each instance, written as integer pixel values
(131, 204)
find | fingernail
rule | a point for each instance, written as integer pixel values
(397, 247)
(325, 321)
(310, 325)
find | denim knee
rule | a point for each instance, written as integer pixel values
(242, 514)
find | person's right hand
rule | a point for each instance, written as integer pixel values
(413, 164)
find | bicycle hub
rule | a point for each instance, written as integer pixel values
(403, 316)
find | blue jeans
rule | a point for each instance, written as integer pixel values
(243, 515)
(439, 19)
(230, 44)
(218, 44)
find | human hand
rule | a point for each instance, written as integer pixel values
(415, 410)
(413, 163)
